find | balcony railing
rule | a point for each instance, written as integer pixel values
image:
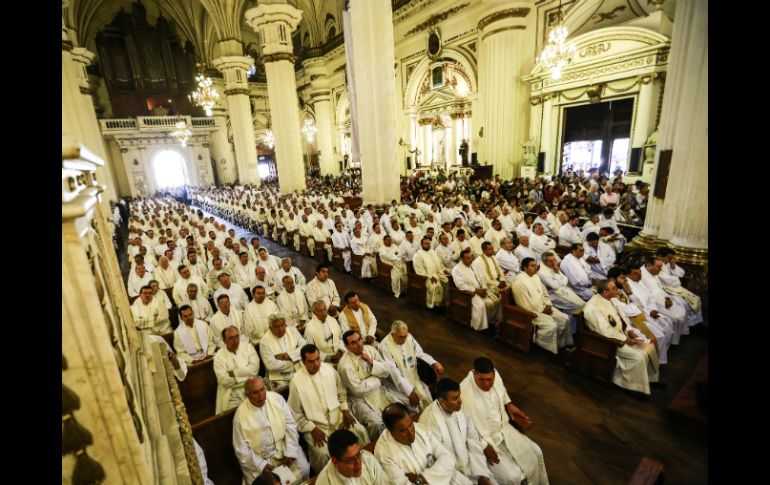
(154, 123)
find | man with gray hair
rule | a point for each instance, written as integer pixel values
(325, 333)
(265, 434)
(279, 349)
(288, 270)
(524, 251)
(401, 348)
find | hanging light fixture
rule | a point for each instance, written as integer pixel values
(309, 130)
(182, 132)
(557, 53)
(270, 139)
(205, 96)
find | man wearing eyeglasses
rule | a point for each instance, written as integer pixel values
(234, 364)
(349, 463)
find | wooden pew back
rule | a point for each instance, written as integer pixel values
(215, 435)
(199, 391)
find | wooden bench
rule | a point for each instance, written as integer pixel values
(562, 251)
(199, 391)
(320, 251)
(517, 328)
(356, 264)
(303, 249)
(338, 262)
(290, 239)
(417, 288)
(215, 436)
(280, 230)
(170, 295)
(594, 354)
(383, 275)
(648, 472)
(460, 307)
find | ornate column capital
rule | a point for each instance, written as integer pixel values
(275, 22)
(234, 68)
(504, 15)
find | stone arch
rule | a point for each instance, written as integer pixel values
(468, 64)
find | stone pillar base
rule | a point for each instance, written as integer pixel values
(645, 243)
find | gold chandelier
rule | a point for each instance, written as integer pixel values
(205, 96)
(182, 132)
(557, 53)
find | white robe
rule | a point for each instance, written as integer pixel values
(296, 275)
(398, 278)
(520, 457)
(326, 335)
(341, 240)
(194, 343)
(135, 283)
(482, 309)
(569, 235)
(255, 319)
(405, 359)
(220, 321)
(429, 264)
(551, 331)
(244, 363)
(577, 272)
(425, 456)
(371, 473)
(559, 291)
(238, 298)
(294, 306)
(152, 317)
(359, 247)
(280, 372)
(606, 257)
(651, 295)
(326, 291)
(523, 252)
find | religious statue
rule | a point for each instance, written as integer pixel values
(530, 152)
(464, 152)
(649, 147)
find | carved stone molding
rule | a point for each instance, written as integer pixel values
(502, 14)
(279, 56)
(437, 19)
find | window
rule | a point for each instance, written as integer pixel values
(582, 155)
(169, 168)
(619, 155)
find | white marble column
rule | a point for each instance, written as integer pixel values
(681, 217)
(234, 68)
(373, 70)
(321, 99)
(275, 22)
(506, 53)
(221, 149)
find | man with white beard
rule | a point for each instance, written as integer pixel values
(577, 272)
(552, 329)
(427, 263)
(265, 434)
(507, 260)
(557, 285)
(512, 456)
(455, 429)
(409, 453)
(483, 307)
(256, 314)
(634, 369)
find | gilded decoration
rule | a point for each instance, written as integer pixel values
(437, 19)
(503, 14)
(595, 49)
(601, 17)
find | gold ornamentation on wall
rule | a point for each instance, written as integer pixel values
(595, 49)
(503, 14)
(436, 19)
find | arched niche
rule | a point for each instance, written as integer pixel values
(610, 64)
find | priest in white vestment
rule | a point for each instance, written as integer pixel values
(244, 271)
(359, 247)
(288, 270)
(524, 251)
(234, 364)
(341, 240)
(184, 279)
(512, 457)
(495, 235)
(356, 315)
(570, 233)
(238, 298)
(427, 263)
(192, 338)
(552, 329)
(539, 242)
(402, 349)
(408, 247)
(447, 253)
(390, 254)
(634, 368)
(279, 351)
(323, 288)
(349, 464)
(409, 453)
(486, 264)
(320, 403)
(270, 263)
(483, 306)
(650, 293)
(321, 236)
(165, 273)
(137, 279)
(370, 381)
(293, 304)
(256, 314)
(577, 272)
(669, 278)
(599, 255)
(226, 316)
(200, 304)
(269, 284)
(150, 313)
(265, 434)
(455, 429)
(325, 333)
(557, 285)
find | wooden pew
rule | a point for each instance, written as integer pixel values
(594, 354)
(170, 294)
(459, 305)
(562, 251)
(280, 230)
(416, 289)
(215, 436)
(648, 472)
(169, 338)
(517, 328)
(356, 264)
(290, 239)
(303, 249)
(173, 317)
(199, 391)
(320, 251)
(383, 275)
(337, 261)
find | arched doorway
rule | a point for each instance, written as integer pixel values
(169, 169)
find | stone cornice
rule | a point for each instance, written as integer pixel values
(503, 14)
